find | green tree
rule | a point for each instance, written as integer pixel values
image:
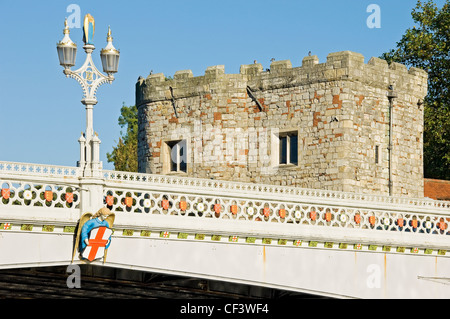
(427, 45)
(124, 155)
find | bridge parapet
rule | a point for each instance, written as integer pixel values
(264, 190)
(155, 204)
(33, 185)
(42, 170)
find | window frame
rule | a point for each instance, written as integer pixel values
(277, 151)
(378, 154)
(168, 163)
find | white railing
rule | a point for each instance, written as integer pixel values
(185, 197)
(36, 185)
(28, 169)
(264, 190)
(29, 185)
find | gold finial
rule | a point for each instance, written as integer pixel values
(66, 27)
(66, 41)
(108, 36)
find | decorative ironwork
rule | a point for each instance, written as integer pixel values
(286, 211)
(301, 193)
(90, 79)
(38, 170)
(34, 194)
(184, 199)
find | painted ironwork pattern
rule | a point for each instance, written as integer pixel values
(60, 187)
(38, 169)
(286, 210)
(89, 77)
(224, 186)
(38, 194)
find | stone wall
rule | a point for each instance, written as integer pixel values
(339, 110)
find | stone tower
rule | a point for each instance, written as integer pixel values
(340, 125)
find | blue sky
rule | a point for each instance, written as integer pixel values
(41, 117)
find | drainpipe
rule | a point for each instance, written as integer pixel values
(391, 96)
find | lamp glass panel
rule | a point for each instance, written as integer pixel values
(110, 62)
(67, 55)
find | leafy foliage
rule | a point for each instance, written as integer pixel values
(427, 46)
(124, 155)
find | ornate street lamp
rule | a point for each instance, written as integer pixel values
(67, 50)
(110, 56)
(90, 79)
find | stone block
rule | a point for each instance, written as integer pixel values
(156, 78)
(214, 71)
(379, 63)
(345, 59)
(310, 61)
(183, 75)
(251, 69)
(280, 66)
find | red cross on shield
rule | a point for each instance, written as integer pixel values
(98, 238)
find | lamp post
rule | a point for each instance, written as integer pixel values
(90, 79)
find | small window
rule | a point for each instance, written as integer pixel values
(377, 154)
(288, 148)
(177, 158)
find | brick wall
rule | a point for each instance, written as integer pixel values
(339, 111)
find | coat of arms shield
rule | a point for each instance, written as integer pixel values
(94, 235)
(98, 239)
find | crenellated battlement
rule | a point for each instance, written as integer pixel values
(345, 65)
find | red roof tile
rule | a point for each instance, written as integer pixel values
(437, 189)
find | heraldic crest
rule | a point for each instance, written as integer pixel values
(94, 235)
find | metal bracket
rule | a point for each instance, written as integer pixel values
(173, 102)
(250, 93)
